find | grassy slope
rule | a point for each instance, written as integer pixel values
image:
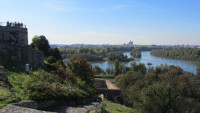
(111, 107)
(107, 77)
(16, 92)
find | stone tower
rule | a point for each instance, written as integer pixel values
(15, 33)
(14, 45)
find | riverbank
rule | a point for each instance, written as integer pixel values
(146, 58)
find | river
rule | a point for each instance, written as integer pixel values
(189, 66)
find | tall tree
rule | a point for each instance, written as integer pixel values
(40, 43)
(116, 68)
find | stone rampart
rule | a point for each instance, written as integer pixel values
(22, 53)
(15, 35)
(107, 88)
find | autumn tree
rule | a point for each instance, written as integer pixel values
(81, 68)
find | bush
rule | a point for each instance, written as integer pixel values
(46, 86)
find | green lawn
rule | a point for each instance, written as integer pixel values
(111, 107)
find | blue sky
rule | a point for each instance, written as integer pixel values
(165, 22)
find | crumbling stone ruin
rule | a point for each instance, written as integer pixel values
(14, 45)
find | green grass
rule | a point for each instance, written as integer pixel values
(111, 107)
(18, 83)
(92, 111)
(5, 93)
(105, 76)
(16, 92)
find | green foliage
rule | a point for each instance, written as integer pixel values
(100, 53)
(136, 53)
(40, 43)
(109, 70)
(55, 53)
(99, 70)
(87, 53)
(167, 89)
(128, 79)
(178, 53)
(46, 86)
(138, 68)
(112, 56)
(81, 68)
(50, 60)
(116, 68)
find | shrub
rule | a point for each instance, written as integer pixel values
(47, 86)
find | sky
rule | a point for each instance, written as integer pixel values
(146, 22)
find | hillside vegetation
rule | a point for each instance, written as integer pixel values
(164, 89)
(54, 81)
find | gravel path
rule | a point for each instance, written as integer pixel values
(17, 109)
(96, 106)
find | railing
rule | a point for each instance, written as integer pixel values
(13, 24)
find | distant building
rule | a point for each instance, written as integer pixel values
(130, 43)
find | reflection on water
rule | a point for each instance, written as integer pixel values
(147, 58)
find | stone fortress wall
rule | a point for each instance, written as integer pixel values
(14, 34)
(108, 89)
(14, 45)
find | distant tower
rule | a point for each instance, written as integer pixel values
(130, 43)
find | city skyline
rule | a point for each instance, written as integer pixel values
(161, 22)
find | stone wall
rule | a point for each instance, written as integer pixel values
(107, 88)
(15, 35)
(22, 53)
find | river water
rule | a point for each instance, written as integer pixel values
(189, 66)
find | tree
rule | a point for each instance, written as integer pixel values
(142, 68)
(81, 68)
(116, 68)
(198, 71)
(98, 69)
(55, 53)
(109, 70)
(122, 68)
(136, 53)
(40, 43)
(134, 66)
(50, 60)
